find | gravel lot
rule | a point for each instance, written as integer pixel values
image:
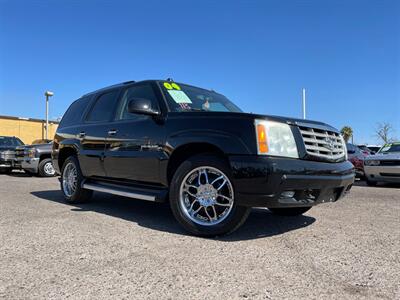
(120, 248)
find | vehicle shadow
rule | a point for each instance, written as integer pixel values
(379, 185)
(158, 216)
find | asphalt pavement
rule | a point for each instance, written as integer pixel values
(120, 248)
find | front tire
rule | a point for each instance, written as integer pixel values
(202, 197)
(46, 168)
(71, 182)
(290, 211)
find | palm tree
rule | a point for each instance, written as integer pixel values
(347, 133)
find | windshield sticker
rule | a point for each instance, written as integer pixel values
(175, 86)
(179, 96)
(167, 86)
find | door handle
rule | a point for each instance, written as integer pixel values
(112, 132)
(82, 134)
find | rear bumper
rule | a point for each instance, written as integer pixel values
(383, 173)
(260, 181)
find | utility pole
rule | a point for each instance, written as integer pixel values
(304, 103)
(48, 94)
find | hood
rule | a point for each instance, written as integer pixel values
(380, 156)
(288, 120)
(4, 148)
(37, 146)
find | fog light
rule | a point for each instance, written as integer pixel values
(288, 194)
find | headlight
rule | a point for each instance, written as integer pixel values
(370, 162)
(31, 152)
(274, 138)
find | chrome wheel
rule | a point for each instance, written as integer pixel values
(48, 169)
(69, 179)
(206, 196)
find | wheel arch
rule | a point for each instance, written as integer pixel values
(183, 152)
(44, 156)
(64, 153)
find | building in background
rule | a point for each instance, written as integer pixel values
(26, 129)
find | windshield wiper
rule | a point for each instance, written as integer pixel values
(196, 109)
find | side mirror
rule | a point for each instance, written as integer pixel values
(141, 106)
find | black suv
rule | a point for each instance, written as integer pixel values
(164, 141)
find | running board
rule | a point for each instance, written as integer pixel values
(130, 192)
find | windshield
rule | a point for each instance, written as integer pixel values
(183, 98)
(7, 141)
(390, 148)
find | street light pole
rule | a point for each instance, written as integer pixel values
(48, 94)
(304, 104)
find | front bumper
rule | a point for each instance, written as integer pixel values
(30, 164)
(6, 164)
(383, 173)
(270, 181)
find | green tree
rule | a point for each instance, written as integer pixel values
(347, 133)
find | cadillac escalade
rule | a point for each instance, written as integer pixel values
(159, 140)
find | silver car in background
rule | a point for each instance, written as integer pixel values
(384, 166)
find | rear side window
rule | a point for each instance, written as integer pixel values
(73, 115)
(103, 108)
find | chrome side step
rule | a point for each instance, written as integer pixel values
(118, 191)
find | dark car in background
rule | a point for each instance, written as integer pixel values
(356, 156)
(163, 141)
(8, 144)
(36, 158)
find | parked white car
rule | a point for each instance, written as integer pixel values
(384, 166)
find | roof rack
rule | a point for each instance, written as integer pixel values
(128, 82)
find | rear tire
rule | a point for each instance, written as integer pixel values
(290, 211)
(71, 182)
(46, 168)
(202, 197)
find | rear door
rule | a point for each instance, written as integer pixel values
(93, 133)
(134, 142)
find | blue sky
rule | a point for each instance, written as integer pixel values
(258, 53)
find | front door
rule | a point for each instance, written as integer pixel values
(134, 142)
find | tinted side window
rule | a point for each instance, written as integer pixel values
(103, 108)
(18, 142)
(140, 91)
(73, 115)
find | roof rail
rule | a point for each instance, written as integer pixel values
(127, 82)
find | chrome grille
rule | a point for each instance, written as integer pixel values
(390, 162)
(8, 155)
(322, 143)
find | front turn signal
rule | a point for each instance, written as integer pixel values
(262, 139)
